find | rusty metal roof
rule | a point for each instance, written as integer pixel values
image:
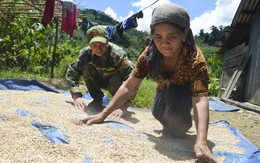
(241, 24)
(30, 8)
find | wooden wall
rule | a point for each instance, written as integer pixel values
(234, 72)
(252, 91)
(240, 78)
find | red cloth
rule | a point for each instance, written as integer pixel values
(48, 12)
(69, 20)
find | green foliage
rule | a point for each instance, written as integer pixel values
(215, 38)
(26, 48)
(18, 73)
(215, 70)
(145, 95)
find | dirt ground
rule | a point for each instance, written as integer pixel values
(247, 122)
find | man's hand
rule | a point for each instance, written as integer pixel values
(202, 151)
(95, 118)
(80, 103)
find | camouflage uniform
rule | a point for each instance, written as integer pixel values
(106, 72)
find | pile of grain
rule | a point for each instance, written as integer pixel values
(21, 141)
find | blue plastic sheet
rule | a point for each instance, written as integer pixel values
(22, 112)
(55, 135)
(87, 96)
(118, 125)
(108, 140)
(252, 153)
(105, 100)
(24, 84)
(2, 119)
(221, 106)
(87, 159)
(132, 109)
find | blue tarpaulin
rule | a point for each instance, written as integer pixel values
(52, 133)
(252, 152)
(221, 106)
(25, 85)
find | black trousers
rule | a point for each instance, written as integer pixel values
(172, 106)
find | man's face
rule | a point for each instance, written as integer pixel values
(98, 48)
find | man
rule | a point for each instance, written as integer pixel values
(103, 65)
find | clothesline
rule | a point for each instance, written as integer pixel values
(149, 5)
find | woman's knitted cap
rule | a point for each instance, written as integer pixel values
(170, 13)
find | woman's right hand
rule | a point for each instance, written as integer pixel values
(98, 118)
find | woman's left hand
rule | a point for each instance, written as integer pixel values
(202, 151)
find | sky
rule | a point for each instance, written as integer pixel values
(203, 13)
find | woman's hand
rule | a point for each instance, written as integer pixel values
(202, 151)
(95, 118)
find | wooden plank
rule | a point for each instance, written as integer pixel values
(235, 77)
(235, 52)
(233, 62)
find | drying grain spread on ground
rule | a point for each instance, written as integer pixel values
(139, 140)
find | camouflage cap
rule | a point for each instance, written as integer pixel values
(97, 34)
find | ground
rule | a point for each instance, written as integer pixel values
(247, 122)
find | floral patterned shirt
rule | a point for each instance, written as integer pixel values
(193, 69)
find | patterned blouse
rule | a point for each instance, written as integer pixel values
(193, 69)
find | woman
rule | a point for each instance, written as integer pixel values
(179, 68)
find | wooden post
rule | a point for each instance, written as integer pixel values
(54, 48)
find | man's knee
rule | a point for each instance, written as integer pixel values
(114, 83)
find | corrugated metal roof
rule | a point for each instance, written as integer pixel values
(241, 24)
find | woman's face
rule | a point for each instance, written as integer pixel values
(168, 39)
(98, 48)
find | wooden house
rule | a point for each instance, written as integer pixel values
(240, 80)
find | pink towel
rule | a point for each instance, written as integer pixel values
(48, 12)
(69, 20)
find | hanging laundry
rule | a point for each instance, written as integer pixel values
(131, 22)
(110, 30)
(69, 20)
(115, 32)
(48, 12)
(67, 4)
(86, 24)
